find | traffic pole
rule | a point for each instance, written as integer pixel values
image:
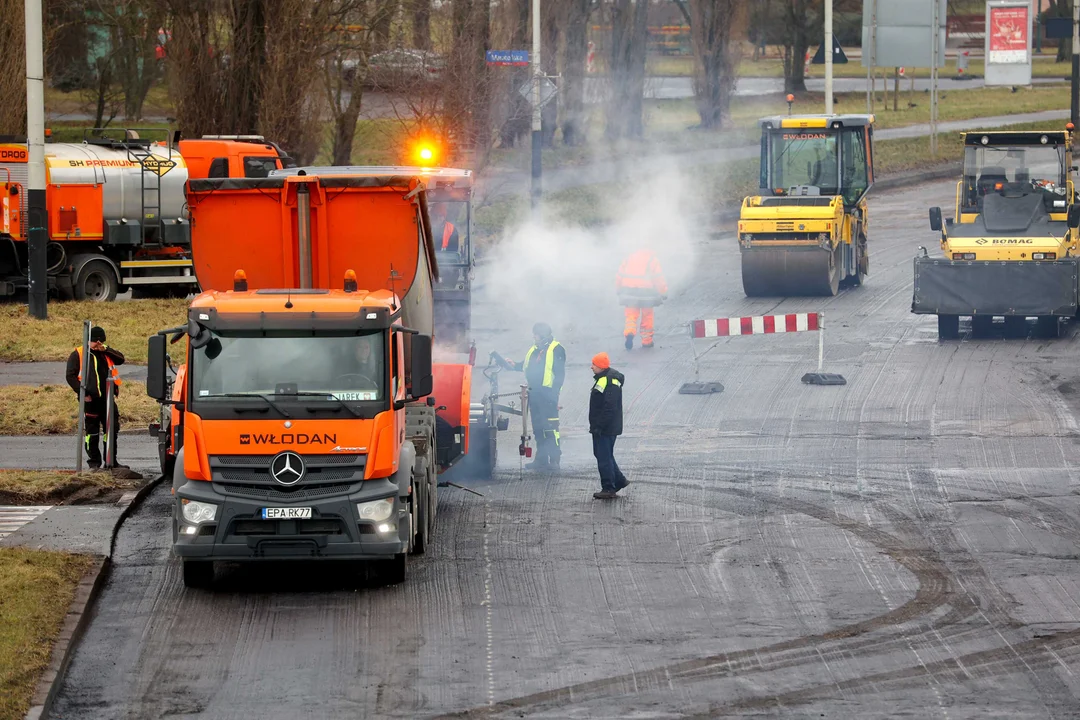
(537, 138)
(35, 135)
(828, 58)
(1076, 65)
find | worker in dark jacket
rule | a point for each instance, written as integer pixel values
(545, 369)
(101, 365)
(605, 424)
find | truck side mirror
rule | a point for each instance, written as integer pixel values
(935, 219)
(420, 363)
(155, 368)
(199, 335)
(1074, 216)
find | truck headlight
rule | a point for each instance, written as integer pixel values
(376, 510)
(196, 512)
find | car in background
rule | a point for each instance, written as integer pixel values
(400, 69)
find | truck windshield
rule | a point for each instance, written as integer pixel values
(450, 228)
(989, 169)
(807, 158)
(349, 367)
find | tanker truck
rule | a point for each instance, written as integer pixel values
(116, 216)
(308, 420)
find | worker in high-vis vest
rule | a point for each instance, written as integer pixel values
(641, 287)
(545, 369)
(101, 365)
(444, 232)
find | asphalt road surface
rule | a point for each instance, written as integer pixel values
(904, 545)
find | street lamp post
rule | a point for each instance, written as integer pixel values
(828, 58)
(537, 138)
(35, 136)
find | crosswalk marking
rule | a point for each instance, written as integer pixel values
(13, 517)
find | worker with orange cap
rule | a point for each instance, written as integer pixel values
(605, 424)
(641, 286)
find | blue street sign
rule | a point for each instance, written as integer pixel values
(516, 58)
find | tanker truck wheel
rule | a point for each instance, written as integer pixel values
(96, 281)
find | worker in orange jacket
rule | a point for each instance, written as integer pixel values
(641, 287)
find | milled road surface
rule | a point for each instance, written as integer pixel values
(904, 545)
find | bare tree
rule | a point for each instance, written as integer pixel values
(629, 31)
(196, 66)
(12, 68)
(572, 92)
(345, 69)
(518, 110)
(466, 85)
(717, 28)
(552, 15)
(421, 24)
(801, 21)
(133, 32)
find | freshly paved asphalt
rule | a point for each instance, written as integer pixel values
(903, 545)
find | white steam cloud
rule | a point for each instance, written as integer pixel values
(565, 275)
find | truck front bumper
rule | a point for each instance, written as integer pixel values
(335, 530)
(1008, 288)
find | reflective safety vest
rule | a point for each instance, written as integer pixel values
(640, 281)
(447, 233)
(94, 368)
(549, 362)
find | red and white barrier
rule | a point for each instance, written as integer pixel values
(764, 325)
(756, 325)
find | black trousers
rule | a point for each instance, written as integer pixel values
(611, 477)
(544, 414)
(95, 426)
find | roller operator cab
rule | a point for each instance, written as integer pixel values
(303, 421)
(806, 233)
(116, 216)
(1010, 251)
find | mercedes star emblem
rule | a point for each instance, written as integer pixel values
(287, 468)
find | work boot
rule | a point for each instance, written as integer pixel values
(630, 342)
(605, 495)
(620, 486)
(646, 345)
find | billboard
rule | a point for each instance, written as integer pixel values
(1008, 42)
(898, 33)
(1008, 36)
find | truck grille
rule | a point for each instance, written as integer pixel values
(254, 471)
(263, 492)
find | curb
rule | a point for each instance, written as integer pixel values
(78, 615)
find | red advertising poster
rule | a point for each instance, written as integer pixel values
(1009, 27)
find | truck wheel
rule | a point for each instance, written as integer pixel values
(96, 281)
(198, 573)
(392, 572)
(421, 496)
(948, 327)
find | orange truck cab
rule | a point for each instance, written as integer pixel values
(303, 420)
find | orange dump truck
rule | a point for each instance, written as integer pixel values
(116, 215)
(308, 420)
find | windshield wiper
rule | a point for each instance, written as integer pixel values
(261, 396)
(327, 396)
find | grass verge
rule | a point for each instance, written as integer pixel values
(53, 409)
(773, 67)
(128, 325)
(49, 487)
(36, 589)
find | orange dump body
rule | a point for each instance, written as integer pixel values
(371, 224)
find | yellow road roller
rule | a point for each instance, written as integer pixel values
(1011, 250)
(805, 233)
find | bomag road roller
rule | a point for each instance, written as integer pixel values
(805, 234)
(1011, 251)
